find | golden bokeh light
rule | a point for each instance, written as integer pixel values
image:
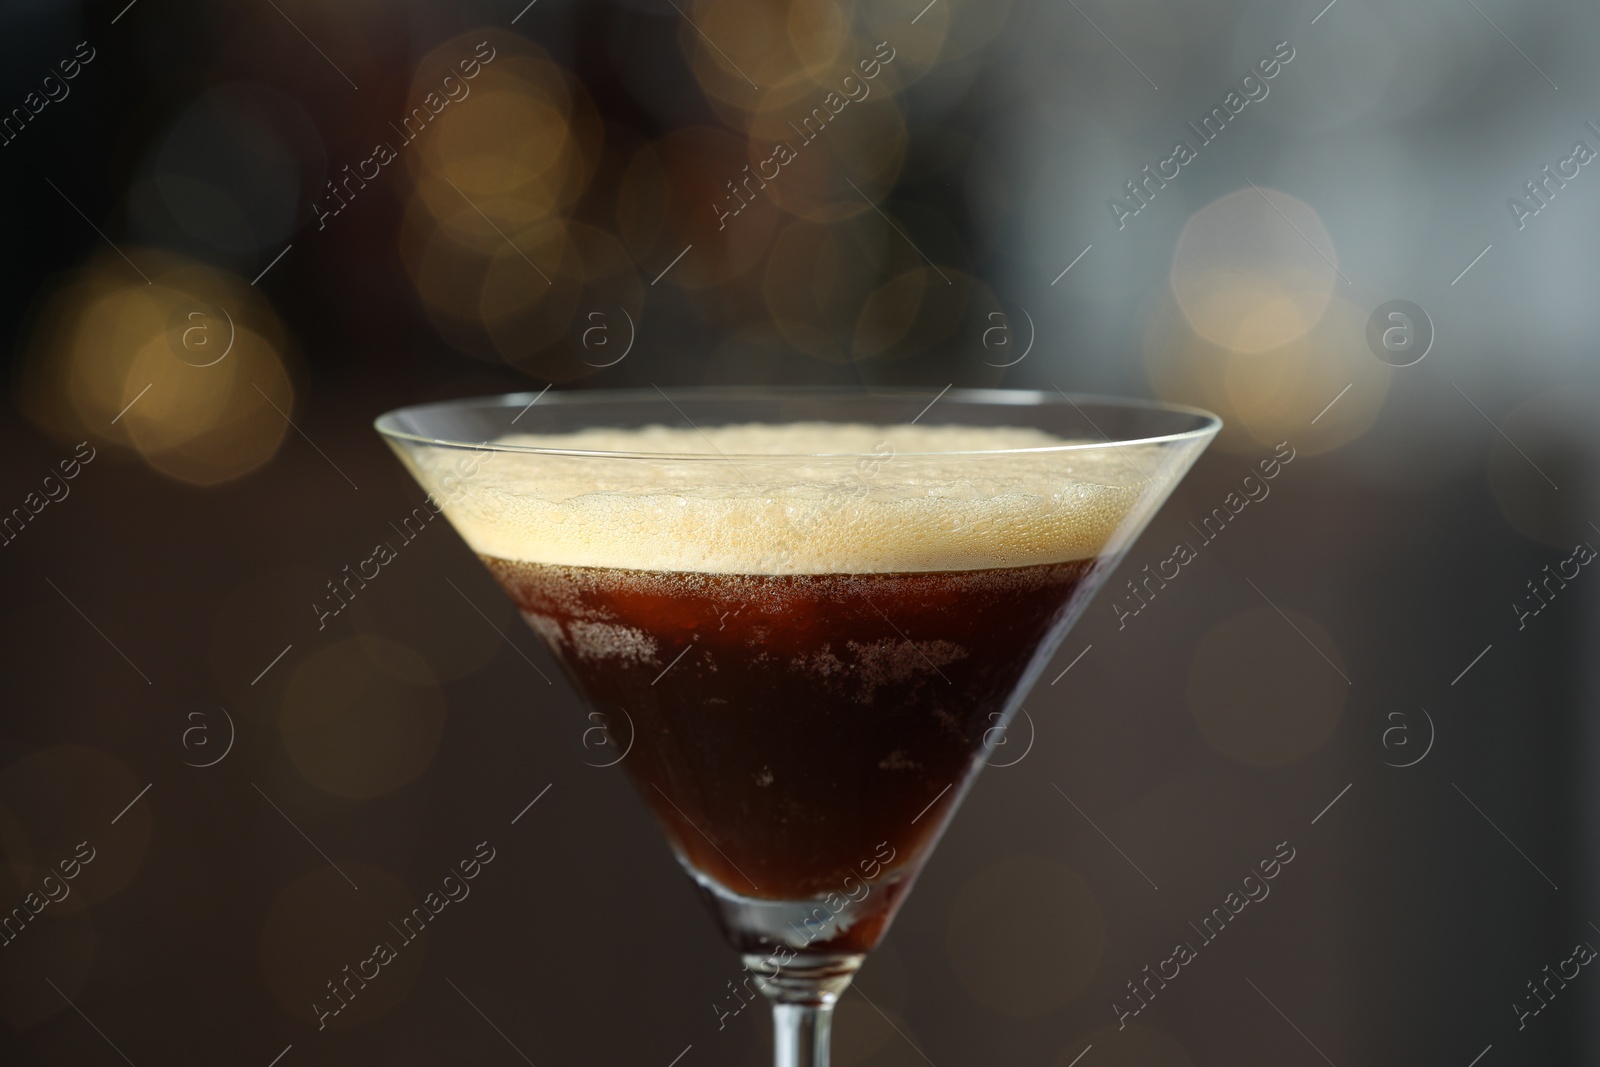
(774, 60)
(362, 717)
(666, 203)
(784, 45)
(853, 289)
(942, 35)
(505, 272)
(508, 153)
(484, 186)
(922, 308)
(894, 309)
(1254, 270)
(818, 279)
(206, 425)
(819, 163)
(1025, 936)
(449, 278)
(519, 146)
(564, 302)
(486, 240)
(428, 616)
(585, 319)
(1279, 394)
(1263, 693)
(187, 370)
(519, 308)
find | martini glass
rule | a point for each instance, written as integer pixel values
(817, 610)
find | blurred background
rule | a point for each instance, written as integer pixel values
(1362, 234)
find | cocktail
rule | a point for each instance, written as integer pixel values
(817, 609)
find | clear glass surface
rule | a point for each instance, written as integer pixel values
(813, 652)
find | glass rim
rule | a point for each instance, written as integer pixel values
(386, 424)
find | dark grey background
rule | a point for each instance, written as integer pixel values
(1196, 739)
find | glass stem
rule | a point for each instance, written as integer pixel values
(800, 1034)
(803, 991)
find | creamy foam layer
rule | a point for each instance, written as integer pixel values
(749, 506)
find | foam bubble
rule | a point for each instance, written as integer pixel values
(800, 498)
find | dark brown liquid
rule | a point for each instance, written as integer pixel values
(799, 735)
